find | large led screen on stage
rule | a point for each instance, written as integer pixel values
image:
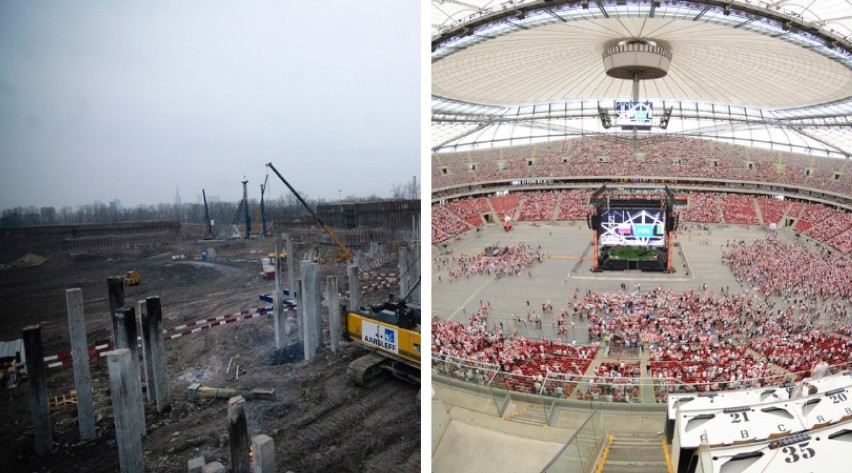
(633, 227)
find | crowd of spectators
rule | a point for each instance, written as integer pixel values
(823, 223)
(506, 205)
(772, 210)
(812, 214)
(538, 206)
(703, 208)
(739, 209)
(842, 241)
(574, 205)
(834, 225)
(446, 224)
(792, 313)
(498, 260)
(775, 267)
(674, 157)
(519, 364)
(796, 209)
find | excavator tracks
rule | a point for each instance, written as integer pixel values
(367, 370)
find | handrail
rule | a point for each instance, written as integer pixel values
(669, 384)
(571, 439)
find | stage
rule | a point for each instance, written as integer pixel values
(622, 258)
(633, 231)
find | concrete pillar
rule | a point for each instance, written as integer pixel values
(154, 316)
(147, 361)
(332, 296)
(300, 314)
(278, 307)
(403, 272)
(414, 270)
(293, 284)
(124, 399)
(115, 286)
(126, 338)
(38, 390)
(263, 451)
(354, 286)
(310, 305)
(316, 301)
(80, 357)
(238, 431)
(291, 265)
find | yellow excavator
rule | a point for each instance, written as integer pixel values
(391, 330)
(132, 278)
(343, 254)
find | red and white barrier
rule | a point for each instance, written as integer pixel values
(170, 333)
(64, 358)
(181, 330)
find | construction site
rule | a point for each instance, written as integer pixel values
(206, 352)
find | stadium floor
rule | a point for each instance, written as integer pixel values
(565, 242)
(470, 424)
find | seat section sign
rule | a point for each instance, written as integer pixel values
(379, 335)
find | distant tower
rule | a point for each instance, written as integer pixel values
(177, 197)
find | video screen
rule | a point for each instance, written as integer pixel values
(634, 227)
(634, 113)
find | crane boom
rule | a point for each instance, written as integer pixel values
(262, 208)
(345, 254)
(209, 234)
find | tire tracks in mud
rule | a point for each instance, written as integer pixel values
(356, 428)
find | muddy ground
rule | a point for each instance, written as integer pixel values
(320, 421)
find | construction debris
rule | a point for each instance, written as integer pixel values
(29, 260)
(196, 391)
(64, 400)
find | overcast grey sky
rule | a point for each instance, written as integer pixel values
(133, 100)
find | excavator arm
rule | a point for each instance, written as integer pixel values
(345, 254)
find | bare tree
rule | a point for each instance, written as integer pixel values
(406, 190)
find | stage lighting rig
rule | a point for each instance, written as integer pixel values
(606, 120)
(664, 120)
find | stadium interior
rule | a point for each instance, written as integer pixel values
(642, 235)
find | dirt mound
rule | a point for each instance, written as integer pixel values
(28, 260)
(288, 354)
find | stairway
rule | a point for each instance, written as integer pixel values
(534, 417)
(555, 214)
(647, 390)
(719, 208)
(636, 453)
(758, 212)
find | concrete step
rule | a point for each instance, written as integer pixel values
(649, 437)
(650, 441)
(533, 417)
(634, 467)
(640, 454)
(636, 453)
